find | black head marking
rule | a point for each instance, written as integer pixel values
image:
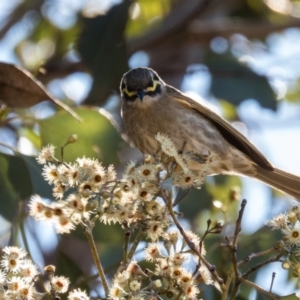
(137, 80)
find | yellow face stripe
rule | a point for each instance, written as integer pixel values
(130, 94)
(148, 89)
(152, 88)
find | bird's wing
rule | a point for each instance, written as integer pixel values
(233, 136)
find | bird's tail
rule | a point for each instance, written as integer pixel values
(280, 180)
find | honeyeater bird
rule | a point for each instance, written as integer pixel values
(150, 106)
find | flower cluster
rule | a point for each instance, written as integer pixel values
(169, 266)
(84, 180)
(289, 225)
(93, 188)
(135, 200)
(18, 275)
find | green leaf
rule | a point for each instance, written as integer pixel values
(67, 267)
(20, 177)
(103, 49)
(97, 137)
(235, 82)
(8, 195)
(151, 13)
(39, 185)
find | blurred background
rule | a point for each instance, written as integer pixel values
(241, 56)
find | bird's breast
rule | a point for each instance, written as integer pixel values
(188, 130)
(184, 126)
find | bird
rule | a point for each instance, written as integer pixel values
(150, 106)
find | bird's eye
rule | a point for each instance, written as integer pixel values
(123, 86)
(150, 84)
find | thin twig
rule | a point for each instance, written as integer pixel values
(201, 246)
(233, 249)
(227, 283)
(272, 281)
(255, 255)
(126, 246)
(211, 268)
(260, 289)
(87, 229)
(258, 266)
(136, 242)
(179, 296)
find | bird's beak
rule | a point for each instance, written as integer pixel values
(141, 94)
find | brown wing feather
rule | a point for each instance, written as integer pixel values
(233, 136)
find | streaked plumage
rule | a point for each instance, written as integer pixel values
(150, 106)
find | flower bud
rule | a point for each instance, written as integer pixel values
(72, 138)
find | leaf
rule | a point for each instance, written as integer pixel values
(20, 177)
(235, 82)
(39, 185)
(97, 137)
(19, 89)
(8, 195)
(103, 49)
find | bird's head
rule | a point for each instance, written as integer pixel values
(139, 83)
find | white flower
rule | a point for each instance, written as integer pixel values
(116, 293)
(147, 172)
(63, 224)
(46, 154)
(292, 235)
(278, 222)
(60, 284)
(134, 285)
(205, 274)
(14, 252)
(37, 207)
(78, 295)
(50, 173)
(152, 252)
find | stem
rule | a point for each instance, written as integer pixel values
(227, 284)
(201, 246)
(179, 295)
(87, 229)
(260, 289)
(272, 281)
(126, 247)
(136, 242)
(255, 255)
(233, 250)
(258, 266)
(192, 246)
(62, 153)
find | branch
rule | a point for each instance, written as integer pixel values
(258, 266)
(260, 289)
(255, 255)
(87, 229)
(233, 249)
(168, 200)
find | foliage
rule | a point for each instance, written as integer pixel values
(54, 41)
